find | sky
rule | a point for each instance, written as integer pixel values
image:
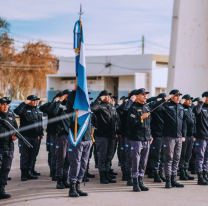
(105, 22)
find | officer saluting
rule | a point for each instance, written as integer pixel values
(140, 135)
(173, 131)
(201, 144)
(188, 144)
(6, 144)
(29, 115)
(106, 134)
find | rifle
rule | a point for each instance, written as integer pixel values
(14, 131)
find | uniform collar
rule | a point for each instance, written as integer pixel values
(185, 106)
(4, 115)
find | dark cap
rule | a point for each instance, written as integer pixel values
(32, 98)
(123, 98)
(91, 98)
(196, 99)
(141, 91)
(161, 95)
(175, 92)
(132, 92)
(104, 93)
(151, 99)
(5, 99)
(187, 96)
(205, 94)
(67, 91)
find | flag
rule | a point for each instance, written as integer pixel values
(81, 102)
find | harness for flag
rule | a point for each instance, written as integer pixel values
(81, 103)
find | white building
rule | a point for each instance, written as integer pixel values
(117, 74)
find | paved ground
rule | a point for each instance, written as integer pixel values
(43, 192)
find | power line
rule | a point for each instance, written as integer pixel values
(55, 42)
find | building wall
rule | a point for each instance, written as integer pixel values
(125, 84)
(188, 65)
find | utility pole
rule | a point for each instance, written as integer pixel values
(143, 44)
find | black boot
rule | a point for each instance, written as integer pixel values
(174, 182)
(96, 162)
(53, 175)
(187, 175)
(205, 176)
(141, 184)
(161, 176)
(111, 172)
(60, 184)
(108, 177)
(111, 176)
(201, 180)
(103, 180)
(168, 182)
(129, 179)
(157, 177)
(124, 177)
(136, 187)
(90, 175)
(80, 192)
(72, 190)
(3, 194)
(193, 171)
(150, 173)
(65, 182)
(23, 175)
(31, 176)
(182, 174)
(35, 173)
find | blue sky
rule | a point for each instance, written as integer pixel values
(104, 21)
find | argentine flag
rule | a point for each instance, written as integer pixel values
(81, 102)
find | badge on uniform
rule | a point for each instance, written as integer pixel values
(10, 118)
(132, 115)
(139, 110)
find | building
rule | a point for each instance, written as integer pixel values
(188, 65)
(118, 74)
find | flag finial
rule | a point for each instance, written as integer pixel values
(81, 12)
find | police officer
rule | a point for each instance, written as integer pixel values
(6, 144)
(140, 136)
(201, 144)
(126, 161)
(51, 133)
(57, 108)
(156, 148)
(79, 154)
(187, 145)
(195, 102)
(173, 131)
(30, 116)
(106, 134)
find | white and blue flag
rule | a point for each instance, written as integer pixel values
(81, 102)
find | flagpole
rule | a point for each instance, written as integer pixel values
(76, 110)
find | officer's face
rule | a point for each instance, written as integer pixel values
(107, 99)
(187, 102)
(141, 98)
(206, 102)
(4, 107)
(33, 103)
(176, 98)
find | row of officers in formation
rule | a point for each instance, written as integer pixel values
(162, 133)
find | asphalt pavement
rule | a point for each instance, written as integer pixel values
(43, 191)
